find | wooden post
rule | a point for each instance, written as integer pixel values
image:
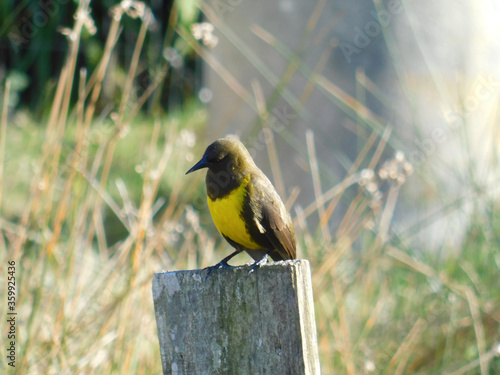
(236, 322)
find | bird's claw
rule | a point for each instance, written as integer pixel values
(258, 264)
(221, 264)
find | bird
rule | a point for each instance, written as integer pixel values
(245, 207)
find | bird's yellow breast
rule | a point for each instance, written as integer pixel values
(228, 216)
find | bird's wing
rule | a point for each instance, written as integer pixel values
(273, 215)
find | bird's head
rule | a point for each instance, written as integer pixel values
(225, 154)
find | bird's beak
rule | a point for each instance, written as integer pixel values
(201, 164)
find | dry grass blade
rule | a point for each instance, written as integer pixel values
(128, 206)
(313, 19)
(489, 356)
(387, 213)
(405, 349)
(292, 198)
(63, 110)
(344, 327)
(132, 71)
(330, 194)
(411, 262)
(64, 201)
(95, 82)
(353, 216)
(478, 328)
(359, 159)
(313, 163)
(3, 133)
(225, 75)
(380, 148)
(269, 138)
(352, 104)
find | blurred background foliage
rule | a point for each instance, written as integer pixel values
(33, 49)
(94, 199)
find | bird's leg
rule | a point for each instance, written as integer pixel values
(223, 263)
(259, 262)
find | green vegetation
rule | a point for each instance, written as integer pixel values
(94, 203)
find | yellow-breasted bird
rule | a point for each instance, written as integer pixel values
(245, 207)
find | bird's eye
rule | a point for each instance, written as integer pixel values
(216, 159)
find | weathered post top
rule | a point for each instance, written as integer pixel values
(236, 322)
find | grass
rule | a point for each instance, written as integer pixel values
(94, 203)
